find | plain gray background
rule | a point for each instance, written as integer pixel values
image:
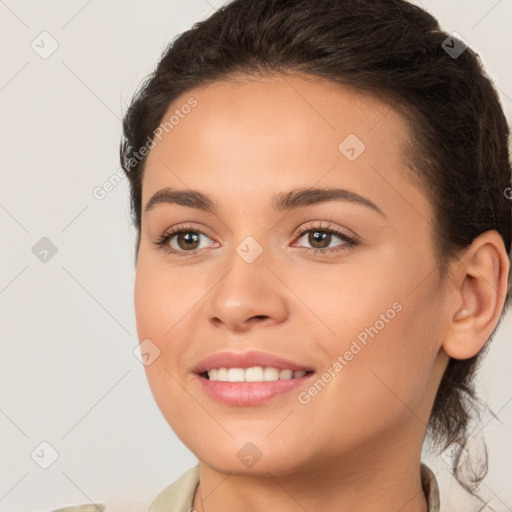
(68, 374)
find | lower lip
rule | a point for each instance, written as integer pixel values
(250, 393)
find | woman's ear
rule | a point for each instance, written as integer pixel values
(479, 286)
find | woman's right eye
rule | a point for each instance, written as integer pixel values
(183, 236)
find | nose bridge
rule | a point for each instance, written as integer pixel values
(247, 288)
(248, 274)
(250, 234)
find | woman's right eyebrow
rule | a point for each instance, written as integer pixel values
(293, 199)
(190, 198)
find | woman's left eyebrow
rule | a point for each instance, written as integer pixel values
(302, 197)
(293, 199)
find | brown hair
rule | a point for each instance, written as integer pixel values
(393, 50)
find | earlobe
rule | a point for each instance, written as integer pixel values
(479, 283)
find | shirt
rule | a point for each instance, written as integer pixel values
(179, 496)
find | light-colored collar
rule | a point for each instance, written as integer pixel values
(179, 496)
(430, 488)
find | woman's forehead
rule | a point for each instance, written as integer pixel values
(283, 100)
(267, 136)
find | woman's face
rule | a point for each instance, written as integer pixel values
(365, 317)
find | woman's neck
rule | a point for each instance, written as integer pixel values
(392, 485)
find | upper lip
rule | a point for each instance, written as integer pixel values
(247, 360)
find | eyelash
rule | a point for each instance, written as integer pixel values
(350, 242)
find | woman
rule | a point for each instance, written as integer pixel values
(319, 192)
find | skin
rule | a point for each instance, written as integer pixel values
(356, 445)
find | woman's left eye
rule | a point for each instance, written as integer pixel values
(320, 238)
(188, 237)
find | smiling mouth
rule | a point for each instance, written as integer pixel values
(252, 386)
(253, 374)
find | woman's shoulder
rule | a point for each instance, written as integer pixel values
(179, 494)
(89, 507)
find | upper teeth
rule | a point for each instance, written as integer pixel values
(253, 374)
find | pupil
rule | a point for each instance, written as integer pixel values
(187, 236)
(314, 239)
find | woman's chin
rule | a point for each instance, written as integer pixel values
(257, 457)
(250, 462)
